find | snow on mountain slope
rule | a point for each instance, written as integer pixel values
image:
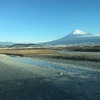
(78, 33)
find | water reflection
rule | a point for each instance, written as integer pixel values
(63, 67)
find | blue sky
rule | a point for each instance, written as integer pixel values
(44, 20)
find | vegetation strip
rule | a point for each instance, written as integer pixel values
(50, 54)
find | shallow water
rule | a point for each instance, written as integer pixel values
(76, 69)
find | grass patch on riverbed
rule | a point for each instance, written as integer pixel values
(70, 55)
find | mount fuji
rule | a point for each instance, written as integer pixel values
(77, 37)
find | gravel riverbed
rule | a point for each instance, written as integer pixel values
(23, 78)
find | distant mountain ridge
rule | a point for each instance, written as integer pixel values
(6, 43)
(76, 37)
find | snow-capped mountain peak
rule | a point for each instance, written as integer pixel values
(78, 33)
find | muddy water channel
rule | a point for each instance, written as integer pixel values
(78, 68)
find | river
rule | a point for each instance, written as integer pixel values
(72, 67)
